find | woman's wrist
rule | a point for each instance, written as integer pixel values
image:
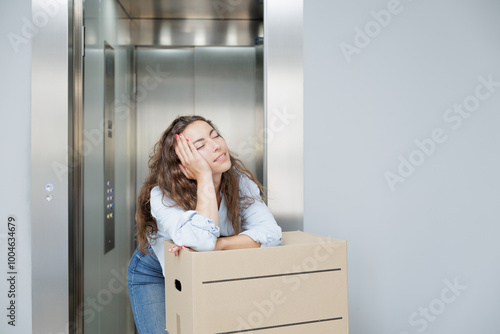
(235, 242)
(204, 178)
(219, 245)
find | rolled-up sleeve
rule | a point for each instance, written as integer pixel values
(257, 220)
(184, 228)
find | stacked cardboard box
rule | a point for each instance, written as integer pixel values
(300, 287)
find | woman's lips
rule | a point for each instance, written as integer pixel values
(220, 157)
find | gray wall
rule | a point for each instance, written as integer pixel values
(15, 124)
(395, 167)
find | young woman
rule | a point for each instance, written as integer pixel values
(201, 197)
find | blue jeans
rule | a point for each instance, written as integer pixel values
(146, 287)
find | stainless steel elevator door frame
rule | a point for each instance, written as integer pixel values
(218, 83)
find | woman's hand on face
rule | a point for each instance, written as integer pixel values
(176, 248)
(192, 163)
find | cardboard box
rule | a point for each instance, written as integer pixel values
(300, 287)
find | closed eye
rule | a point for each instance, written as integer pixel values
(216, 136)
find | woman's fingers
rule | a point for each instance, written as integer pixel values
(176, 248)
(188, 249)
(192, 148)
(192, 162)
(202, 164)
(180, 149)
(184, 145)
(180, 155)
(183, 170)
(184, 150)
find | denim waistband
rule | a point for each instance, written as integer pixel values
(146, 263)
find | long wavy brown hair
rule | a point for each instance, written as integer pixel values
(164, 172)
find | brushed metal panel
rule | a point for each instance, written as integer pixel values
(75, 156)
(284, 110)
(122, 9)
(124, 27)
(195, 32)
(121, 321)
(225, 93)
(125, 5)
(49, 149)
(194, 9)
(259, 142)
(165, 89)
(93, 175)
(105, 273)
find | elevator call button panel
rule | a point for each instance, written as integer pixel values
(109, 148)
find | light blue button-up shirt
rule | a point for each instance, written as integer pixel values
(190, 229)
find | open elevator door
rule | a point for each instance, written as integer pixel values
(186, 59)
(76, 286)
(222, 84)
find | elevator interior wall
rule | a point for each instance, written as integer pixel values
(218, 83)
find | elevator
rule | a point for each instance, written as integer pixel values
(133, 67)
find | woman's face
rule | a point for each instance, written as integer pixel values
(211, 146)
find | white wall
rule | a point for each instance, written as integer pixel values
(438, 224)
(15, 124)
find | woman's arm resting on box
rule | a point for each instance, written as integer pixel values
(185, 228)
(236, 242)
(224, 243)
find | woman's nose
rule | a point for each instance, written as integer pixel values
(216, 146)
